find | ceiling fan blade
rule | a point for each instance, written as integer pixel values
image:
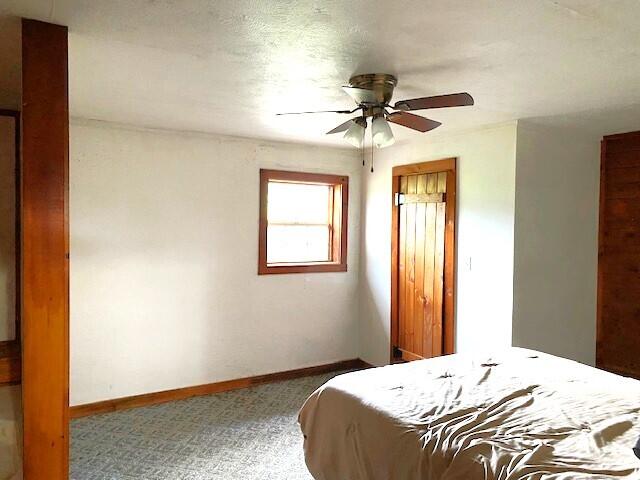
(439, 101)
(361, 95)
(342, 127)
(319, 111)
(415, 122)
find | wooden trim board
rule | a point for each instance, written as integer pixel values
(425, 167)
(450, 248)
(600, 281)
(45, 251)
(210, 388)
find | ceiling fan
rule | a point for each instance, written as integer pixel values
(372, 93)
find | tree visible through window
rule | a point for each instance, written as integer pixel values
(303, 222)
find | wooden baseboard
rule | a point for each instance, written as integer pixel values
(188, 392)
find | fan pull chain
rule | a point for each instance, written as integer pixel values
(372, 150)
(364, 140)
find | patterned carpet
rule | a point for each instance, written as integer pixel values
(249, 434)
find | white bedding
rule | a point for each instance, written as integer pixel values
(517, 414)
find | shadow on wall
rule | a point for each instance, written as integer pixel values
(375, 328)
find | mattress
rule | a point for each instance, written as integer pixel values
(514, 414)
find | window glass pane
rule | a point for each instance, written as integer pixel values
(298, 203)
(297, 243)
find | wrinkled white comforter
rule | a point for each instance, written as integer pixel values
(517, 414)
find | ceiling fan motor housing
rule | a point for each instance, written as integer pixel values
(382, 84)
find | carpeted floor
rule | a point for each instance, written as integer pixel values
(246, 434)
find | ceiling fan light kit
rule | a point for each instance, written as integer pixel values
(372, 93)
(381, 132)
(355, 133)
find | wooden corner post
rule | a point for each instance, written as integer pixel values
(45, 250)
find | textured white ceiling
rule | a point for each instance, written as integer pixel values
(228, 66)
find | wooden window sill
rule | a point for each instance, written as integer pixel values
(315, 267)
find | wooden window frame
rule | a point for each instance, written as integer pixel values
(340, 218)
(10, 359)
(445, 165)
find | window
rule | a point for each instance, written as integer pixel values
(303, 222)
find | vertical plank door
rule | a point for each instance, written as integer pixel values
(421, 254)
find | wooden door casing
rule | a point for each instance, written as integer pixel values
(423, 256)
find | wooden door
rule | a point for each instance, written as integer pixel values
(618, 338)
(420, 237)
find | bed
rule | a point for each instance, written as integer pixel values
(515, 414)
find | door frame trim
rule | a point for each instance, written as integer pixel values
(443, 165)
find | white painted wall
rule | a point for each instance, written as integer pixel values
(157, 216)
(164, 244)
(486, 182)
(556, 230)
